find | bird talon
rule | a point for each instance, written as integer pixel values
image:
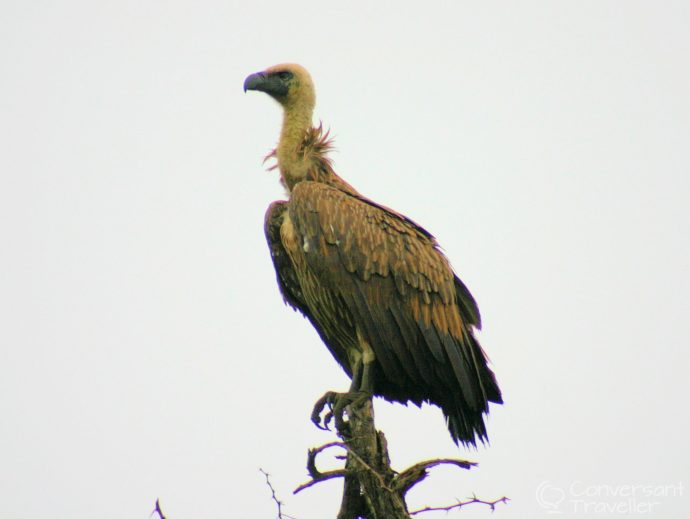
(337, 404)
(327, 399)
(327, 420)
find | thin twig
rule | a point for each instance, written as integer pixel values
(316, 475)
(158, 510)
(323, 476)
(460, 504)
(311, 457)
(418, 472)
(279, 503)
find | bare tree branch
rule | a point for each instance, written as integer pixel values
(323, 476)
(460, 504)
(418, 472)
(158, 510)
(311, 458)
(279, 503)
(316, 475)
(372, 488)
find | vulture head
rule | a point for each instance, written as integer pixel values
(289, 84)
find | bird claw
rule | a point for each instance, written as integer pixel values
(328, 399)
(336, 402)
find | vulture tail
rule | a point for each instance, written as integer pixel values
(466, 418)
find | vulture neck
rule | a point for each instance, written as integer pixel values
(301, 152)
(292, 159)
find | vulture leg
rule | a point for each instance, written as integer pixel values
(361, 389)
(367, 384)
(357, 374)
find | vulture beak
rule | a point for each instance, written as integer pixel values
(271, 84)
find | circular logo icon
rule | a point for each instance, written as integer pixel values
(550, 497)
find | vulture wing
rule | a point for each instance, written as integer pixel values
(289, 282)
(361, 267)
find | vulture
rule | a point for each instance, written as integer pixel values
(373, 283)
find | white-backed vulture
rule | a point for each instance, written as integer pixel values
(374, 284)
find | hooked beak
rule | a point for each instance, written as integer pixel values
(263, 82)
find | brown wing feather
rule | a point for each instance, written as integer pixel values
(289, 281)
(387, 274)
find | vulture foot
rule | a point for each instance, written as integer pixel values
(336, 403)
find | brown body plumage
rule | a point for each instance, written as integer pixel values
(373, 283)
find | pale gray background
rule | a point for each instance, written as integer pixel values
(145, 351)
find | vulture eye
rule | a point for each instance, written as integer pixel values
(285, 75)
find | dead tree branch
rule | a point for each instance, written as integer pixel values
(158, 510)
(418, 472)
(316, 475)
(278, 502)
(460, 504)
(372, 489)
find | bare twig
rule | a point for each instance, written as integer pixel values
(311, 458)
(279, 503)
(340, 473)
(316, 475)
(416, 473)
(460, 504)
(158, 510)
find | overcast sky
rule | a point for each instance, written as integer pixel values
(145, 351)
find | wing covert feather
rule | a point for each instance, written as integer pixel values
(398, 285)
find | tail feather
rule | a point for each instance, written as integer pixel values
(466, 426)
(466, 419)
